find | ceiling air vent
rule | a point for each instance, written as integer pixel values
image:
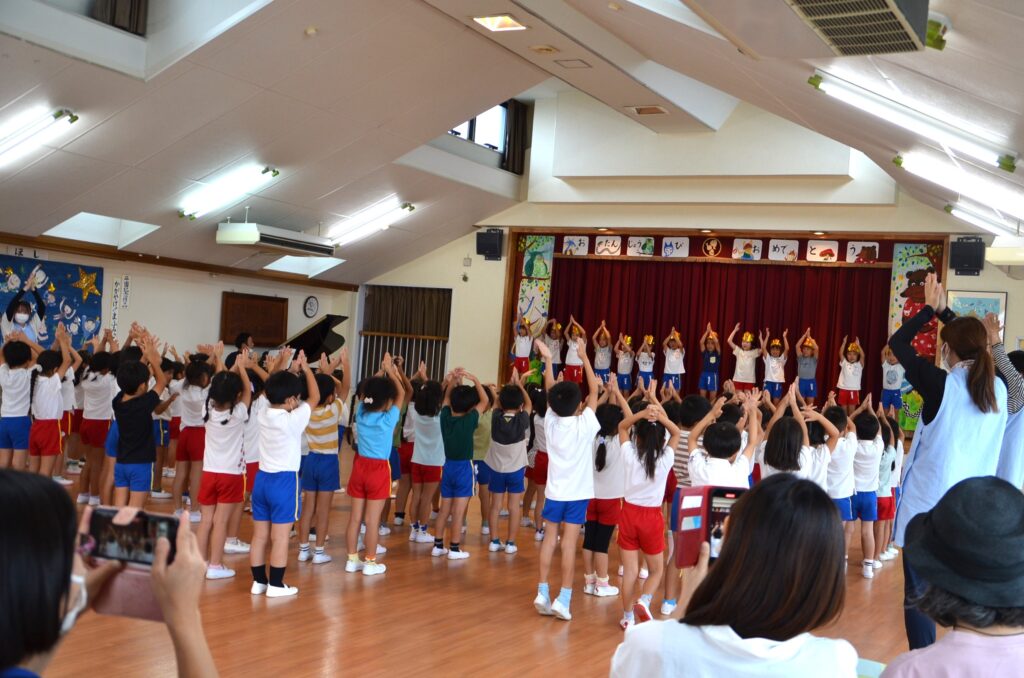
(857, 27)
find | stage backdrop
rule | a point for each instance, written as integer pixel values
(73, 295)
(640, 297)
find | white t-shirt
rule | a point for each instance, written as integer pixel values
(570, 445)
(850, 375)
(641, 490)
(840, 467)
(813, 465)
(892, 376)
(555, 346)
(866, 462)
(645, 361)
(15, 384)
(523, 346)
(79, 396)
(602, 357)
(708, 470)
(429, 447)
(67, 390)
(668, 648)
(280, 438)
(625, 363)
(775, 368)
(225, 431)
(609, 482)
(193, 405)
(251, 435)
(897, 473)
(175, 386)
(99, 391)
(47, 402)
(572, 354)
(745, 365)
(674, 361)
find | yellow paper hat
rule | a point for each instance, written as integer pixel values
(810, 343)
(558, 326)
(648, 338)
(675, 334)
(748, 336)
(713, 335)
(775, 342)
(628, 340)
(853, 347)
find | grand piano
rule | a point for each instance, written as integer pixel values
(318, 337)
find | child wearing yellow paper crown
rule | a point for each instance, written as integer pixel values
(624, 367)
(552, 338)
(711, 360)
(851, 371)
(775, 356)
(645, 361)
(745, 376)
(522, 344)
(573, 361)
(807, 367)
(602, 353)
(674, 355)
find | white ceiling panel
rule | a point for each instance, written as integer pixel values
(24, 66)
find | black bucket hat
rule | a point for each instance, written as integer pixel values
(972, 543)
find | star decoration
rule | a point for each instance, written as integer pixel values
(86, 283)
(51, 288)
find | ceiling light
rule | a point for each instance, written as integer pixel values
(915, 121)
(544, 49)
(226, 190)
(499, 22)
(986, 191)
(705, 230)
(976, 216)
(647, 110)
(376, 217)
(819, 233)
(32, 129)
(307, 266)
(603, 230)
(572, 63)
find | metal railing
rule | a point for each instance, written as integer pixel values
(413, 348)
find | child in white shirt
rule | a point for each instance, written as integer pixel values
(865, 479)
(552, 338)
(892, 380)
(18, 359)
(719, 460)
(851, 372)
(522, 344)
(745, 376)
(573, 360)
(645, 363)
(624, 366)
(788, 448)
(602, 353)
(886, 502)
(775, 356)
(605, 508)
(674, 356)
(44, 443)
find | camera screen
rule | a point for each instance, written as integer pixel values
(721, 505)
(134, 542)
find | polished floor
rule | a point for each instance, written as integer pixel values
(425, 616)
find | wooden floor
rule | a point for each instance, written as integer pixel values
(426, 616)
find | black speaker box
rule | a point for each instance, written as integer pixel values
(967, 257)
(489, 244)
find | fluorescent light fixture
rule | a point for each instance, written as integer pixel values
(909, 118)
(986, 191)
(307, 266)
(499, 22)
(225, 190)
(977, 216)
(29, 130)
(101, 230)
(376, 217)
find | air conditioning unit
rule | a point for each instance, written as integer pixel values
(809, 29)
(268, 237)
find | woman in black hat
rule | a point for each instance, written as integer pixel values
(963, 422)
(970, 551)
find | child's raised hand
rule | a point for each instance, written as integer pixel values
(386, 363)
(542, 349)
(993, 327)
(324, 365)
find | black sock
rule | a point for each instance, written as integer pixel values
(454, 546)
(259, 574)
(438, 543)
(400, 514)
(276, 576)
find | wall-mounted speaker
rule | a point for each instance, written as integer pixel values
(967, 256)
(489, 244)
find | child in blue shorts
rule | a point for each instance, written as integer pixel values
(462, 408)
(807, 367)
(624, 366)
(866, 477)
(133, 415)
(570, 429)
(15, 380)
(506, 458)
(711, 362)
(892, 380)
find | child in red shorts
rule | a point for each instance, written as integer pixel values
(47, 406)
(851, 372)
(605, 508)
(537, 463)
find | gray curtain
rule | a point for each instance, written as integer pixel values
(128, 15)
(416, 311)
(516, 133)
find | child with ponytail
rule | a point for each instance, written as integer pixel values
(605, 508)
(47, 405)
(192, 438)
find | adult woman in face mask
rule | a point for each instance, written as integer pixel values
(45, 584)
(961, 431)
(20, 316)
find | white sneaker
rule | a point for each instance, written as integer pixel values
(165, 473)
(644, 573)
(383, 530)
(94, 500)
(281, 591)
(457, 555)
(73, 469)
(412, 534)
(219, 572)
(196, 516)
(642, 612)
(353, 565)
(868, 570)
(399, 520)
(542, 605)
(236, 546)
(485, 530)
(304, 555)
(424, 538)
(626, 622)
(321, 558)
(560, 611)
(877, 564)
(503, 513)
(539, 536)
(438, 551)
(370, 569)
(605, 590)
(83, 498)
(258, 589)
(511, 548)
(495, 546)
(381, 550)
(62, 481)
(589, 586)
(433, 515)
(525, 522)
(667, 608)
(160, 495)
(886, 555)
(362, 528)
(170, 473)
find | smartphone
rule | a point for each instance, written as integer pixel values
(701, 516)
(134, 542)
(720, 501)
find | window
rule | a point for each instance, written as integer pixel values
(486, 129)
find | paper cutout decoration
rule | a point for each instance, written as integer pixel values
(538, 255)
(747, 249)
(534, 298)
(712, 247)
(783, 250)
(608, 246)
(675, 248)
(640, 247)
(576, 245)
(911, 264)
(861, 252)
(823, 250)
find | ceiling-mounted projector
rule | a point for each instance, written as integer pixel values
(268, 237)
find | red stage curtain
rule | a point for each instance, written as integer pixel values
(640, 297)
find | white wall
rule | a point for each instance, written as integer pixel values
(993, 279)
(476, 325)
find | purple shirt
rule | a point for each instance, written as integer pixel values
(961, 654)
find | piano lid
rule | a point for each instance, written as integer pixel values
(318, 337)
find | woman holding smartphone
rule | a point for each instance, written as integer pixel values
(45, 584)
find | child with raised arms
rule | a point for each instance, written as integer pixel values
(807, 367)
(886, 503)
(624, 357)
(573, 361)
(522, 343)
(745, 376)
(711, 362)
(865, 482)
(645, 363)
(840, 465)
(537, 462)
(851, 372)
(602, 353)
(188, 468)
(775, 356)
(892, 380)
(719, 459)
(570, 428)
(605, 508)
(47, 404)
(672, 346)
(67, 418)
(427, 455)
(481, 471)
(99, 385)
(276, 503)
(506, 459)
(552, 338)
